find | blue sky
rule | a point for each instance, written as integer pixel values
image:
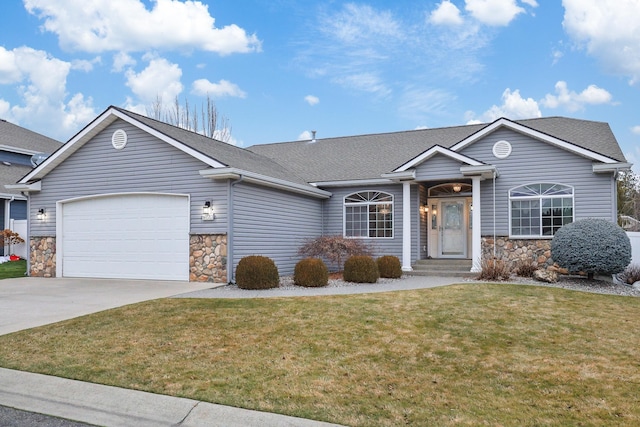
(278, 69)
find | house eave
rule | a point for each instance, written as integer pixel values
(352, 182)
(26, 188)
(611, 167)
(483, 171)
(267, 181)
(407, 175)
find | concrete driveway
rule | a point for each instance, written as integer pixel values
(31, 301)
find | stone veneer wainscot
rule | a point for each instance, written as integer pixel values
(208, 258)
(43, 256)
(516, 250)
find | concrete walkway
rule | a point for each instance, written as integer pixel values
(29, 302)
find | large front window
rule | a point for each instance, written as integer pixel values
(539, 210)
(368, 214)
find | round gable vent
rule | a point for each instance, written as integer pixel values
(502, 149)
(119, 139)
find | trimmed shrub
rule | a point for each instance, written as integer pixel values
(591, 246)
(360, 269)
(334, 249)
(526, 268)
(257, 272)
(494, 269)
(389, 267)
(311, 272)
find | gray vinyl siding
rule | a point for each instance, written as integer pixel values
(439, 167)
(334, 218)
(146, 164)
(273, 223)
(535, 161)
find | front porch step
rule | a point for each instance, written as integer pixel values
(442, 267)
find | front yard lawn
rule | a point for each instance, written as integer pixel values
(13, 269)
(469, 354)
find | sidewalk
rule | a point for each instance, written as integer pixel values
(111, 406)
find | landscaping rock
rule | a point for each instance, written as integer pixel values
(636, 286)
(548, 276)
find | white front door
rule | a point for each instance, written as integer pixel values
(453, 230)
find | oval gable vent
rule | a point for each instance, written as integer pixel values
(502, 149)
(119, 139)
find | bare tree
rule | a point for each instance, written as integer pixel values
(187, 117)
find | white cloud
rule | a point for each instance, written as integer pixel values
(636, 130)
(127, 25)
(85, 65)
(160, 79)
(365, 82)
(610, 32)
(358, 22)
(495, 12)
(42, 85)
(204, 87)
(513, 107)
(572, 101)
(305, 136)
(446, 14)
(311, 100)
(634, 157)
(122, 60)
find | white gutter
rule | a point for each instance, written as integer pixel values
(611, 167)
(408, 175)
(352, 182)
(35, 186)
(485, 171)
(267, 181)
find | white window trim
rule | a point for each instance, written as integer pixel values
(344, 214)
(539, 198)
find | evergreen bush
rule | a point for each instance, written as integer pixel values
(361, 269)
(591, 246)
(389, 267)
(257, 272)
(311, 272)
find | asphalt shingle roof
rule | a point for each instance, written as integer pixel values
(15, 136)
(369, 156)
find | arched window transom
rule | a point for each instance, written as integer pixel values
(368, 214)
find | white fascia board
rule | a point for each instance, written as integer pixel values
(70, 147)
(484, 171)
(613, 167)
(12, 196)
(517, 127)
(18, 150)
(352, 182)
(409, 175)
(34, 186)
(267, 181)
(177, 144)
(98, 125)
(437, 149)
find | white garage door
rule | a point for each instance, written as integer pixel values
(139, 236)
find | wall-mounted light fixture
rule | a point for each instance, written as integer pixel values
(42, 214)
(207, 212)
(457, 188)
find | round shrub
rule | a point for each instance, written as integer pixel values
(311, 272)
(592, 246)
(389, 267)
(257, 272)
(360, 269)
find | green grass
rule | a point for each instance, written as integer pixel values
(13, 269)
(490, 354)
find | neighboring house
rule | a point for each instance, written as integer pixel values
(132, 197)
(19, 149)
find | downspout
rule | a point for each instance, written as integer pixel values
(7, 215)
(494, 214)
(27, 239)
(230, 275)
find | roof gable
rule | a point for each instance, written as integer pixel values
(437, 149)
(533, 133)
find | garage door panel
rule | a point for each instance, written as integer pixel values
(142, 236)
